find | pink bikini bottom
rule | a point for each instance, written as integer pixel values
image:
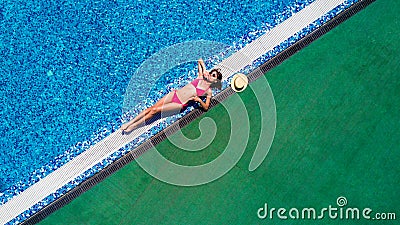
(177, 100)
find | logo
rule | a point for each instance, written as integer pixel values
(340, 212)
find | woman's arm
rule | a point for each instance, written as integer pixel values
(206, 104)
(201, 67)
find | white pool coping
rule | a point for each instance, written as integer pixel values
(100, 151)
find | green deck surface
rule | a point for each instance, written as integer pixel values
(338, 134)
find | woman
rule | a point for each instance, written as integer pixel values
(177, 100)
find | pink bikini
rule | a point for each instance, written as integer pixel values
(177, 100)
(199, 92)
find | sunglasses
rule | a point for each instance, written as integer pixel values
(214, 75)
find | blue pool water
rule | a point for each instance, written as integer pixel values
(65, 66)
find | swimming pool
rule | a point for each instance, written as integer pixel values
(68, 66)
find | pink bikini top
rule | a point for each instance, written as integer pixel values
(199, 91)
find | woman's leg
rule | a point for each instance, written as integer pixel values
(166, 99)
(166, 108)
(140, 115)
(143, 113)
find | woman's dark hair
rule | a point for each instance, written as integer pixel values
(218, 83)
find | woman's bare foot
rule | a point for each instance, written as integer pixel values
(124, 126)
(129, 129)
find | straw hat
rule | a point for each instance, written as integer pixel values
(239, 82)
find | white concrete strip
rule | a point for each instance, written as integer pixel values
(95, 154)
(287, 28)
